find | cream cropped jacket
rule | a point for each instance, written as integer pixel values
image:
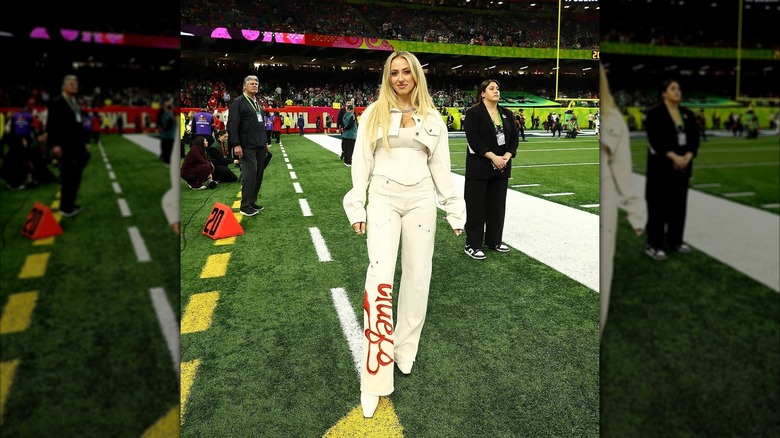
(404, 167)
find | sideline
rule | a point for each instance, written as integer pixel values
(561, 237)
(743, 237)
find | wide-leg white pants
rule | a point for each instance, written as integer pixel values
(406, 215)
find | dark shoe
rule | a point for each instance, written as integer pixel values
(212, 184)
(475, 254)
(249, 211)
(655, 253)
(259, 208)
(72, 212)
(500, 248)
(682, 248)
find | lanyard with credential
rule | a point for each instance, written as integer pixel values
(256, 107)
(73, 106)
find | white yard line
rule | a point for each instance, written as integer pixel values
(319, 245)
(169, 325)
(297, 187)
(139, 245)
(305, 207)
(349, 324)
(124, 208)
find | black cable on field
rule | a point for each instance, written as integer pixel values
(184, 225)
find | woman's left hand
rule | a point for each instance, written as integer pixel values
(458, 232)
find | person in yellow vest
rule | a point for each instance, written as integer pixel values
(287, 122)
(288, 102)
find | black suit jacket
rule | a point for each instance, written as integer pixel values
(243, 127)
(481, 138)
(65, 130)
(662, 138)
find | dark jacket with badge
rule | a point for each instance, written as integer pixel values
(243, 127)
(662, 136)
(481, 138)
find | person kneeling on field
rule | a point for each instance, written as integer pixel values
(196, 169)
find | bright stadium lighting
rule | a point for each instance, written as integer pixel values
(313, 59)
(424, 65)
(272, 58)
(586, 68)
(457, 66)
(226, 55)
(523, 67)
(352, 62)
(180, 33)
(257, 64)
(492, 66)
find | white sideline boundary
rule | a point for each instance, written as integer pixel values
(745, 238)
(146, 141)
(564, 238)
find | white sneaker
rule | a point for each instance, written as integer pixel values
(655, 253)
(474, 254)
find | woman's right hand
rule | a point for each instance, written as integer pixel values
(359, 227)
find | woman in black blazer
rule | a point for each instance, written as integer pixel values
(492, 138)
(673, 142)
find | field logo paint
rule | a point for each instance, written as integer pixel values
(382, 330)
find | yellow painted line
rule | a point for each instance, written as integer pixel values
(384, 423)
(18, 312)
(166, 427)
(238, 216)
(200, 309)
(225, 241)
(237, 204)
(238, 194)
(45, 241)
(7, 371)
(57, 195)
(55, 204)
(57, 216)
(34, 265)
(216, 265)
(188, 372)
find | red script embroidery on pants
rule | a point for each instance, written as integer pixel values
(380, 333)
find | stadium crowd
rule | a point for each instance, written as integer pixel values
(280, 86)
(537, 29)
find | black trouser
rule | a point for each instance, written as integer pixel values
(485, 211)
(522, 132)
(348, 147)
(166, 147)
(667, 198)
(71, 171)
(252, 167)
(224, 174)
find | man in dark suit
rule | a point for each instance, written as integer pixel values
(246, 131)
(68, 140)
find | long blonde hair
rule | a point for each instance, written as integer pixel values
(379, 114)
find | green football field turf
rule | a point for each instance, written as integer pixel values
(691, 345)
(92, 358)
(509, 348)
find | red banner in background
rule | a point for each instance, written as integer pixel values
(135, 119)
(310, 114)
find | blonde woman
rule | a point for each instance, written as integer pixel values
(402, 159)
(617, 188)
